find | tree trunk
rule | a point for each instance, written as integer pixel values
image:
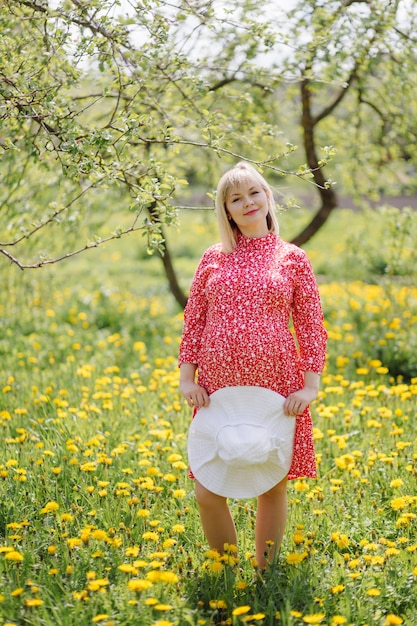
(165, 255)
(174, 286)
(327, 195)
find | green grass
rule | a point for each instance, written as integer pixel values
(98, 520)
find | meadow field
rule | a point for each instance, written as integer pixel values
(98, 522)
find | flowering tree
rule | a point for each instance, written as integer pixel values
(107, 110)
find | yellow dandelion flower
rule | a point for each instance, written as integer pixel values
(345, 462)
(341, 540)
(229, 559)
(178, 528)
(294, 558)
(100, 535)
(301, 485)
(14, 555)
(216, 566)
(50, 507)
(377, 560)
(154, 523)
(138, 584)
(337, 589)
(392, 619)
(213, 554)
(404, 520)
(163, 622)
(373, 592)
(127, 568)
(150, 535)
(33, 602)
(100, 617)
(375, 363)
(338, 619)
(179, 465)
(298, 537)
(401, 445)
(80, 595)
(218, 604)
(98, 584)
(396, 482)
(158, 555)
(88, 467)
(172, 458)
(17, 592)
(392, 552)
(158, 576)
(241, 610)
(163, 607)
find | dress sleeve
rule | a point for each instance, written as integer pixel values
(307, 315)
(196, 310)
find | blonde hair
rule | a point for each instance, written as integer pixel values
(234, 177)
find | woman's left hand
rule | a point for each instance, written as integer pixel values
(297, 402)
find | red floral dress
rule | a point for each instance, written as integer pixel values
(237, 326)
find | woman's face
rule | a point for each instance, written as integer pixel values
(247, 205)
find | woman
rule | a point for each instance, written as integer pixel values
(236, 332)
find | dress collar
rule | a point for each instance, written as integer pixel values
(255, 242)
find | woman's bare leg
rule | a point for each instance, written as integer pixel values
(216, 519)
(271, 519)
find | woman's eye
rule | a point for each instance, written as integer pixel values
(235, 200)
(254, 192)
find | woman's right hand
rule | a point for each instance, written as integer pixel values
(195, 395)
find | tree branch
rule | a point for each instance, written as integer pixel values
(50, 219)
(337, 100)
(348, 3)
(88, 246)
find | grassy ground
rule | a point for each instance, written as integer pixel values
(98, 522)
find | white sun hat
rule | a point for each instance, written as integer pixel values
(241, 444)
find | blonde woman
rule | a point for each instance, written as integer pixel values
(245, 292)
